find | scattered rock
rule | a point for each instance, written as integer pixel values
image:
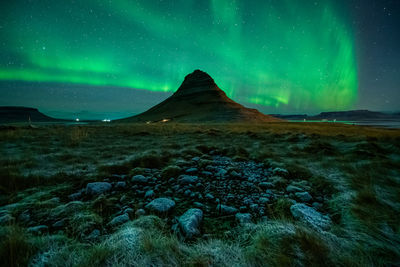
(121, 219)
(316, 205)
(161, 205)
(209, 196)
(59, 224)
(171, 171)
(280, 171)
(97, 188)
(149, 194)
(120, 185)
(140, 212)
(310, 216)
(94, 235)
(187, 179)
(191, 170)
(303, 196)
(75, 196)
(198, 205)
(243, 218)
(190, 221)
(265, 185)
(140, 179)
(226, 210)
(292, 189)
(129, 211)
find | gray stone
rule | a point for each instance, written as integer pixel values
(94, 235)
(265, 185)
(149, 194)
(129, 211)
(97, 188)
(140, 212)
(221, 172)
(120, 185)
(243, 218)
(317, 205)
(226, 210)
(292, 189)
(121, 219)
(263, 200)
(254, 207)
(209, 196)
(191, 170)
(190, 221)
(161, 205)
(59, 224)
(38, 230)
(140, 179)
(123, 199)
(198, 205)
(280, 171)
(206, 173)
(303, 196)
(75, 196)
(188, 179)
(310, 216)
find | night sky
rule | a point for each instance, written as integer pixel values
(98, 59)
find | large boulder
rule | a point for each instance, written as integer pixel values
(190, 221)
(161, 205)
(310, 216)
(97, 188)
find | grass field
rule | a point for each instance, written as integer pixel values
(353, 172)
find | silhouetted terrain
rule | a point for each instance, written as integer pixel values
(199, 99)
(22, 114)
(352, 115)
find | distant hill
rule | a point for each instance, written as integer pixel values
(351, 115)
(22, 114)
(199, 99)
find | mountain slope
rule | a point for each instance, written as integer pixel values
(199, 99)
(22, 114)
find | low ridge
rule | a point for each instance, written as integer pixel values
(22, 114)
(199, 99)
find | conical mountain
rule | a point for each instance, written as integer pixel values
(199, 99)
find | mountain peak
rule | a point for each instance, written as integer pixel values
(197, 81)
(199, 99)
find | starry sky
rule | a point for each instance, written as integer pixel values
(114, 58)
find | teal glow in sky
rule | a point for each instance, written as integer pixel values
(289, 55)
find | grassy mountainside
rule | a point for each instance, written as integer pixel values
(352, 174)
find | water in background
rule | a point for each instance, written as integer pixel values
(374, 123)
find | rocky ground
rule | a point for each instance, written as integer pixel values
(282, 199)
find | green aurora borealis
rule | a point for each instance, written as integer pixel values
(277, 53)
